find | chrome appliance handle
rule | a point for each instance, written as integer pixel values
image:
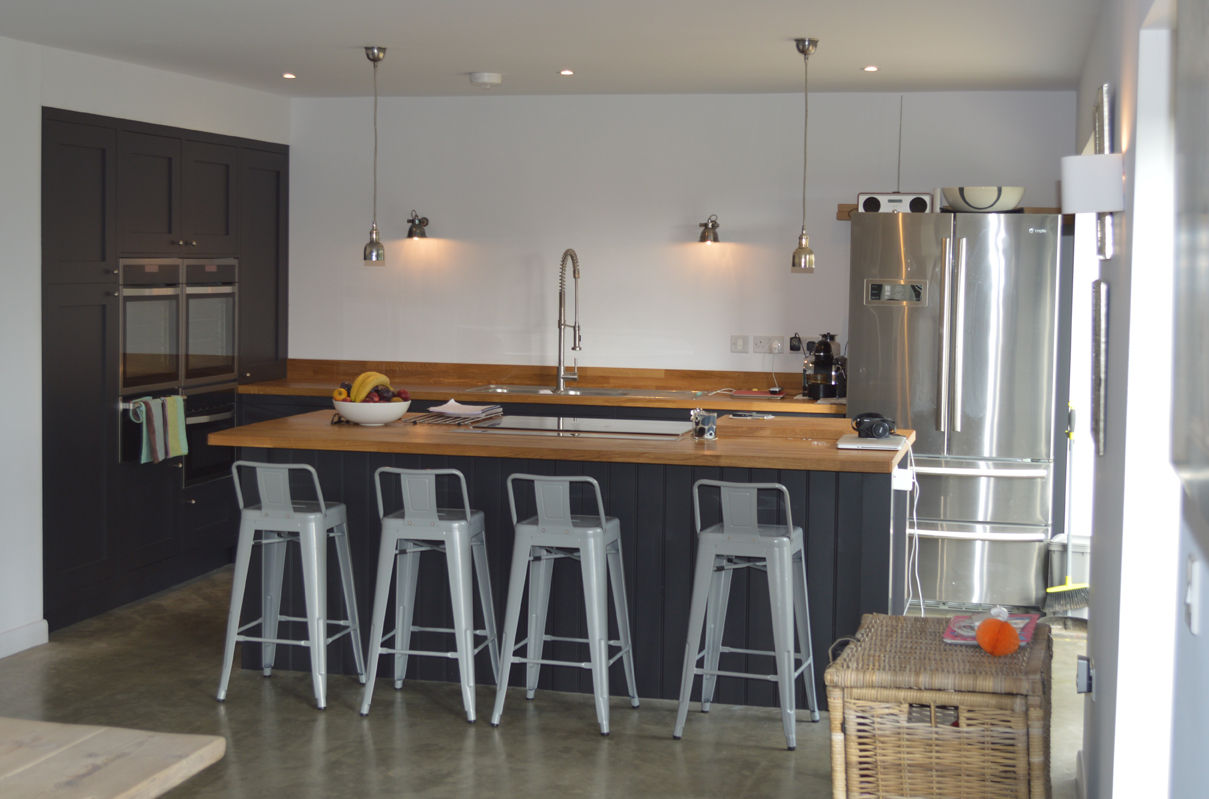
(959, 324)
(212, 417)
(999, 473)
(153, 292)
(1099, 361)
(209, 289)
(942, 387)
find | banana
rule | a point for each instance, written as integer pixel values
(367, 382)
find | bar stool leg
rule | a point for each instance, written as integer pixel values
(621, 608)
(406, 577)
(702, 585)
(715, 627)
(243, 556)
(592, 565)
(512, 612)
(344, 558)
(272, 567)
(478, 549)
(386, 566)
(801, 602)
(457, 560)
(780, 589)
(314, 566)
(541, 574)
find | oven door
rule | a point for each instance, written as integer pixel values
(210, 315)
(207, 411)
(149, 324)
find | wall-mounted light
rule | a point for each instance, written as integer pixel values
(803, 256)
(374, 254)
(417, 226)
(709, 230)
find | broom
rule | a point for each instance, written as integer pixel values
(1069, 595)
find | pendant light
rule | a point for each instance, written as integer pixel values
(374, 253)
(709, 230)
(803, 256)
(417, 226)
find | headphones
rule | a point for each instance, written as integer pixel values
(872, 425)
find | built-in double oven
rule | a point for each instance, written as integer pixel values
(178, 333)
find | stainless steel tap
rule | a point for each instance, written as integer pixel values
(563, 374)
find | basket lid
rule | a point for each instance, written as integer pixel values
(908, 652)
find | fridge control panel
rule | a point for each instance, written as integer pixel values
(896, 292)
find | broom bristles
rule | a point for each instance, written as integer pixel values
(1061, 599)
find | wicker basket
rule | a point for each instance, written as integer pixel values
(913, 716)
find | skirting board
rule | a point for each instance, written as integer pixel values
(23, 637)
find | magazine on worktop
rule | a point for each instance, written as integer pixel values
(964, 629)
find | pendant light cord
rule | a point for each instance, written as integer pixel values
(375, 200)
(805, 127)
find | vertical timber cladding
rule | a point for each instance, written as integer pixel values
(847, 518)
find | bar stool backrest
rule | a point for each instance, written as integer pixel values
(553, 498)
(740, 506)
(419, 491)
(273, 487)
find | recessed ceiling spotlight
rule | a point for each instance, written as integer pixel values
(566, 72)
(288, 75)
(871, 68)
(486, 80)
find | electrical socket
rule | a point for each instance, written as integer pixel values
(776, 344)
(738, 343)
(761, 344)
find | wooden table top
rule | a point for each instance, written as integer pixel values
(804, 443)
(74, 761)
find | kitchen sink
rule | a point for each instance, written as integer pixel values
(573, 427)
(586, 391)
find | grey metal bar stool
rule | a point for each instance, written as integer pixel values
(278, 518)
(739, 540)
(417, 527)
(595, 541)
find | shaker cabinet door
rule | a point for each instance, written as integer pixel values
(263, 272)
(79, 168)
(209, 198)
(149, 193)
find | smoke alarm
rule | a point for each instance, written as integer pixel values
(486, 80)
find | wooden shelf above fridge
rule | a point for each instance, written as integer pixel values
(844, 211)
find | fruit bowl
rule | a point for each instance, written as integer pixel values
(983, 199)
(371, 414)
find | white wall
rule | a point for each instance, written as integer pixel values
(21, 623)
(510, 182)
(30, 77)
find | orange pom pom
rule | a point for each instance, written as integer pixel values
(997, 637)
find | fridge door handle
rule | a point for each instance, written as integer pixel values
(1099, 363)
(997, 473)
(959, 323)
(942, 386)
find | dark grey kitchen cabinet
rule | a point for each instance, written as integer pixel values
(79, 447)
(79, 180)
(263, 259)
(116, 531)
(176, 195)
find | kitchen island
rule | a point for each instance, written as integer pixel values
(854, 522)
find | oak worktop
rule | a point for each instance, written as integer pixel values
(656, 388)
(801, 443)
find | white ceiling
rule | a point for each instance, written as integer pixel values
(614, 46)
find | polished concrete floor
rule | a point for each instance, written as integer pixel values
(154, 665)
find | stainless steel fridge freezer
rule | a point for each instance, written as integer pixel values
(953, 332)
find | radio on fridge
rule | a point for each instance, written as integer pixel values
(894, 203)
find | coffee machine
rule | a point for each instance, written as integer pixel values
(824, 373)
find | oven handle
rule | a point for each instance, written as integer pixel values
(210, 289)
(156, 292)
(212, 417)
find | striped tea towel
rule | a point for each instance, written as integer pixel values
(149, 412)
(176, 442)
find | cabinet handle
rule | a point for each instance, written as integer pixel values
(179, 243)
(113, 293)
(190, 501)
(193, 244)
(247, 374)
(114, 272)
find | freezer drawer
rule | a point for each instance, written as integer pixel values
(985, 491)
(981, 564)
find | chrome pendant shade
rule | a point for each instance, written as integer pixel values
(374, 254)
(709, 230)
(803, 256)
